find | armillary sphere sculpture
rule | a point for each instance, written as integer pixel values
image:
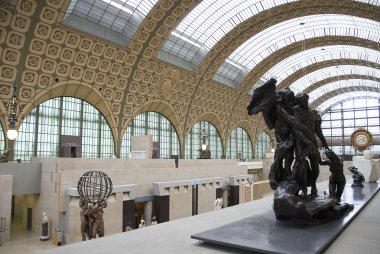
(94, 187)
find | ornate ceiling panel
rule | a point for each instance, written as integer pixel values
(46, 58)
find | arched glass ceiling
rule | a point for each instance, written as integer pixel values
(114, 20)
(265, 43)
(209, 21)
(314, 95)
(345, 97)
(351, 103)
(334, 71)
(305, 58)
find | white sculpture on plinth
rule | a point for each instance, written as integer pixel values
(218, 203)
(142, 223)
(45, 227)
(367, 165)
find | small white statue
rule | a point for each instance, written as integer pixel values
(44, 218)
(142, 223)
(154, 220)
(218, 203)
(45, 228)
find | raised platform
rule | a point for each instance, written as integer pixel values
(262, 233)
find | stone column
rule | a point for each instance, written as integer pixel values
(148, 212)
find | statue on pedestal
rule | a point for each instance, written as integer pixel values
(357, 177)
(296, 127)
(218, 203)
(4, 156)
(128, 227)
(154, 220)
(142, 223)
(94, 187)
(95, 212)
(45, 227)
(337, 180)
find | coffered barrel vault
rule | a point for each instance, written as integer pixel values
(127, 57)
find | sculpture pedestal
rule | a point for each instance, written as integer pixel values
(264, 234)
(45, 232)
(367, 167)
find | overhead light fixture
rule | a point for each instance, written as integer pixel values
(12, 118)
(13, 106)
(203, 137)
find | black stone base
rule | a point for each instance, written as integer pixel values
(264, 234)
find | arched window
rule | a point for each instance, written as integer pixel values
(40, 131)
(194, 141)
(342, 120)
(239, 145)
(156, 125)
(262, 143)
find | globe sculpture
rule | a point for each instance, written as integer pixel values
(94, 186)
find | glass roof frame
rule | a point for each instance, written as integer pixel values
(326, 88)
(332, 102)
(278, 36)
(211, 20)
(301, 60)
(122, 17)
(358, 89)
(332, 71)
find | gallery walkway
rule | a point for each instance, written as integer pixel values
(361, 236)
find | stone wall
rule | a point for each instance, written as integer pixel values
(61, 174)
(5, 206)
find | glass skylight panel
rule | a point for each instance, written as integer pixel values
(121, 16)
(332, 102)
(372, 2)
(263, 44)
(302, 59)
(210, 20)
(333, 71)
(315, 94)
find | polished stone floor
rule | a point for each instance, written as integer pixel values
(24, 242)
(361, 236)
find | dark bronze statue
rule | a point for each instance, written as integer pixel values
(86, 223)
(265, 99)
(92, 222)
(94, 187)
(337, 180)
(297, 158)
(357, 177)
(295, 127)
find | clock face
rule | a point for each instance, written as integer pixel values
(361, 139)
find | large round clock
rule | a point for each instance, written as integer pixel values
(361, 139)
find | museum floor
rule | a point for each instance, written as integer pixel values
(361, 236)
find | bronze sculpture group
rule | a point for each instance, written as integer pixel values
(92, 222)
(297, 157)
(94, 187)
